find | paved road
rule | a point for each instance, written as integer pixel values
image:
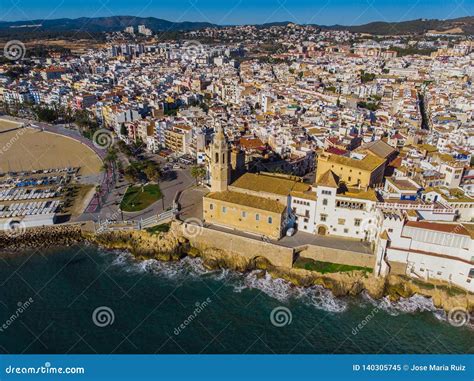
(110, 210)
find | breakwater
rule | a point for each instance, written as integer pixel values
(40, 237)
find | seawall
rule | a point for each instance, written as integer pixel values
(226, 250)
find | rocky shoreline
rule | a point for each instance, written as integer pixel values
(172, 246)
(40, 237)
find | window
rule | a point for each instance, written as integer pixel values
(327, 192)
(244, 214)
(323, 217)
(357, 222)
(211, 206)
(325, 201)
(439, 273)
(341, 221)
(390, 230)
(270, 220)
(471, 273)
(257, 217)
(224, 209)
(346, 231)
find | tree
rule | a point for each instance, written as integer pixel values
(152, 171)
(198, 172)
(45, 114)
(111, 156)
(123, 130)
(132, 174)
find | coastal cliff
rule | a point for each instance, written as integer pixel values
(172, 246)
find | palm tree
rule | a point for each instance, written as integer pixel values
(198, 172)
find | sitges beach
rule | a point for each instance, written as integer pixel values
(180, 307)
(25, 149)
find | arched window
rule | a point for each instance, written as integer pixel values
(217, 157)
(257, 217)
(270, 220)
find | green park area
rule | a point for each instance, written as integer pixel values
(137, 198)
(326, 267)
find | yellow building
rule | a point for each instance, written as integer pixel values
(246, 213)
(254, 203)
(365, 172)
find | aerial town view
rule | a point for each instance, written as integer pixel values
(230, 182)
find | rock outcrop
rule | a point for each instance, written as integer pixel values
(172, 246)
(40, 237)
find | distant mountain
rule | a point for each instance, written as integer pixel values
(464, 25)
(103, 24)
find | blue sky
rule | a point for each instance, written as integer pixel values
(326, 12)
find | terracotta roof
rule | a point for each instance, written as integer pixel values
(328, 179)
(244, 199)
(269, 183)
(368, 163)
(440, 227)
(379, 148)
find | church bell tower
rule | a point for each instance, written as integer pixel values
(220, 167)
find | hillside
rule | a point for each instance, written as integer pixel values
(464, 25)
(101, 24)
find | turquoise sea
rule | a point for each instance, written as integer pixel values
(83, 299)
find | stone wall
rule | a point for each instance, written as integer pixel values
(343, 257)
(398, 268)
(204, 238)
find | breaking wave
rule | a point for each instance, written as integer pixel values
(279, 289)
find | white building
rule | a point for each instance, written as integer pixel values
(427, 251)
